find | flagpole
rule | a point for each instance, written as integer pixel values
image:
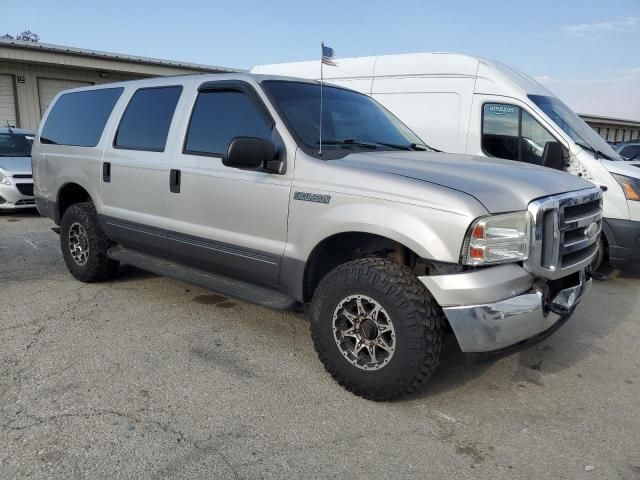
(321, 88)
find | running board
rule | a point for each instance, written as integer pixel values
(228, 286)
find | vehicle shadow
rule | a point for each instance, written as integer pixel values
(129, 273)
(18, 214)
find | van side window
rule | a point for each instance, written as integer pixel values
(219, 116)
(512, 133)
(146, 120)
(533, 138)
(78, 118)
(500, 130)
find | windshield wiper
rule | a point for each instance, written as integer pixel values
(349, 142)
(595, 151)
(409, 146)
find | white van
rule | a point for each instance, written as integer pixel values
(462, 104)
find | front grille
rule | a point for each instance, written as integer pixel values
(566, 229)
(25, 189)
(582, 209)
(23, 175)
(26, 201)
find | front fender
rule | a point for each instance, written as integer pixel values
(429, 232)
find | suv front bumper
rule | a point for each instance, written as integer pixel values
(497, 325)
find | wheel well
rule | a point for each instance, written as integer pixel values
(344, 247)
(70, 194)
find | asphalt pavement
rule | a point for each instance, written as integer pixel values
(149, 377)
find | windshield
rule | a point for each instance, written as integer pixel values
(574, 126)
(350, 120)
(15, 145)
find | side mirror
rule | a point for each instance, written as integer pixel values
(249, 153)
(552, 156)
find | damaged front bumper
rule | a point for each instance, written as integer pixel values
(516, 307)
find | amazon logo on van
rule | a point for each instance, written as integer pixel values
(501, 109)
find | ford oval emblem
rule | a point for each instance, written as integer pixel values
(592, 230)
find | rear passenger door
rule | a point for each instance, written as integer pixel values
(135, 170)
(221, 218)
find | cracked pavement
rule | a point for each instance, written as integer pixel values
(148, 377)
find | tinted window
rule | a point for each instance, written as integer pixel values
(146, 121)
(15, 145)
(512, 133)
(79, 118)
(218, 117)
(346, 116)
(500, 128)
(630, 151)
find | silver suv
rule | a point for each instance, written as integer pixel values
(224, 181)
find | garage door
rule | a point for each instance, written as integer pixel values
(7, 101)
(48, 88)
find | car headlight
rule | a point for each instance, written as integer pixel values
(498, 239)
(4, 180)
(630, 186)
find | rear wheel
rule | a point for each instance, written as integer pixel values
(376, 328)
(84, 245)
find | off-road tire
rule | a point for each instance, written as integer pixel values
(417, 319)
(99, 266)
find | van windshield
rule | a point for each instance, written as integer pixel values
(15, 145)
(350, 120)
(574, 126)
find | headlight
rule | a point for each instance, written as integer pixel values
(4, 180)
(497, 239)
(630, 186)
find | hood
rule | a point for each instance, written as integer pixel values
(16, 164)
(500, 185)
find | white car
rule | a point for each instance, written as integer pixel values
(16, 183)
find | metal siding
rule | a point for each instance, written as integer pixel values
(7, 101)
(48, 88)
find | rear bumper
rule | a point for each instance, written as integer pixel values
(624, 240)
(498, 325)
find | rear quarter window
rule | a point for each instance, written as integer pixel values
(79, 118)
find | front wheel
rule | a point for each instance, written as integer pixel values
(376, 328)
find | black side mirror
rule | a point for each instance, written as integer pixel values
(553, 156)
(249, 153)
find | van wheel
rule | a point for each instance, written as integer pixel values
(376, 328)
(84, 245)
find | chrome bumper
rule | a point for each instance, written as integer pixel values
(498, 325)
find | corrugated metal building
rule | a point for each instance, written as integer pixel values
(614, 129)
(31, 74)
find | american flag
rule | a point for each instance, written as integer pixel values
(327, 56)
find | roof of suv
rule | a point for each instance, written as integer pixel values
(203, 77)
(19, 131)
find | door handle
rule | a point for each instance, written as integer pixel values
(174, 181)
(106, 172)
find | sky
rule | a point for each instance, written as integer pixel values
(586, 52)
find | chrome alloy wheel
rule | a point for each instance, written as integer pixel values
(363, 332)
(78, 244)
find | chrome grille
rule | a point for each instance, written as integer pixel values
(565, 230)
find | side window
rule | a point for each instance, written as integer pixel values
(146, 120)
(512, 133)
(220, 115)
(533, 138)
(630, 151)
(500, 130)
(79, 118)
